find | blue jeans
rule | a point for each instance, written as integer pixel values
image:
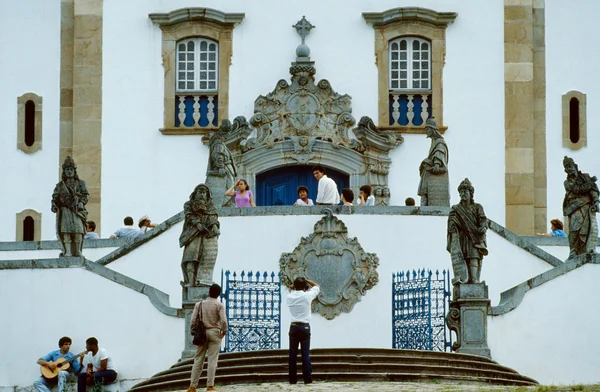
(42, 385)
(300, 334)
(100, 378)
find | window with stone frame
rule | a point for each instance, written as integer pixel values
(410, 46)
(196, 55)
(409, 81)
(197, 83)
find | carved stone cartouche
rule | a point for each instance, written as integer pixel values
(337, 263)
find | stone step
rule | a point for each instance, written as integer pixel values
(343, 365)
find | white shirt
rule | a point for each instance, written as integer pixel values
(301, 202)
(95, 360)
(299, 303)
(369, 202)
(327, 192)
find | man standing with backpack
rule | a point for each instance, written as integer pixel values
(211, 312)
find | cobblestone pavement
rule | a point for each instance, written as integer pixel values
(394, 387)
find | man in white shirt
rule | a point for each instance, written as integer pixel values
(299, 301)
(128, 231)
(98, 367)
(327, 193)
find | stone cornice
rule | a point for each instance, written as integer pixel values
(197, 14)
(409, 14)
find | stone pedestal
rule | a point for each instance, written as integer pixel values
(191, 295)
(438, 193)
(468, 318)
(218, 186)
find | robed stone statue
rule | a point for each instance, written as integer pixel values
(199, 237)
(433, 187)
(580, 205)
(467, 225)
(68, 202)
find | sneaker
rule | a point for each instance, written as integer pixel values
(211, 388)
(191, 389)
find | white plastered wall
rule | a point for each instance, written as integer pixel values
(571, 64)
(551, 335)
(400, 242)
(36, 313)
(30, 42)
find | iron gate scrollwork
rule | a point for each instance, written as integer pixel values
(253, 309)
(420, 302)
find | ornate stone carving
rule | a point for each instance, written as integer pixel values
(581, 205)
(68, 202)
(453, 323)
(467, 225)
(199, 238)
(434, 184)
(302, 109)
(222, 169)
(337, 263)
(467, 316)
(304, 122)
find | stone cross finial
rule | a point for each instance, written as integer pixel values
(303, 28)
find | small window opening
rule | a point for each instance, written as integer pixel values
(29, 123)
(28, 228)
(574, 120)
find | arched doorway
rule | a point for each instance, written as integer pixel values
(279, 186)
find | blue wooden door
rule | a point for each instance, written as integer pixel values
(280, 186)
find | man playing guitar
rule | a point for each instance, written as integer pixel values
(54, 361)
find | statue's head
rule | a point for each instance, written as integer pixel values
(570, 166)
(431, 128)
(303, 141)
(201, 193)
(378, 191)
(218, 156)
(386, 191)
(69, 169)
(466, 190)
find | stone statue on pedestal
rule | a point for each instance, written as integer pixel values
(434, 188)
(68, 202)
(467, 315)
(580, 205)
(199, 237)
(467, 225)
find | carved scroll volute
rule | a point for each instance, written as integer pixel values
(453, 323)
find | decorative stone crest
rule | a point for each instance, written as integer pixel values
(337, 263)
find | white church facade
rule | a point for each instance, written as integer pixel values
(133, 90)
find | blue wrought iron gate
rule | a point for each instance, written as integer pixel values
(253, 309)
(420, 302)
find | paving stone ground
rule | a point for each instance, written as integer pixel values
(396, 387)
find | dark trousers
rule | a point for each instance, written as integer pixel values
(300, 335)
(99, 378)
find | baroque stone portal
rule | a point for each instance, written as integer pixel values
(304, 122)
(337, 263)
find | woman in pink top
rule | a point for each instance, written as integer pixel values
(243, 196)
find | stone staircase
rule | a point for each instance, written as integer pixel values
(358, 364)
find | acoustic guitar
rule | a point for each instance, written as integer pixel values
(61, 364)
